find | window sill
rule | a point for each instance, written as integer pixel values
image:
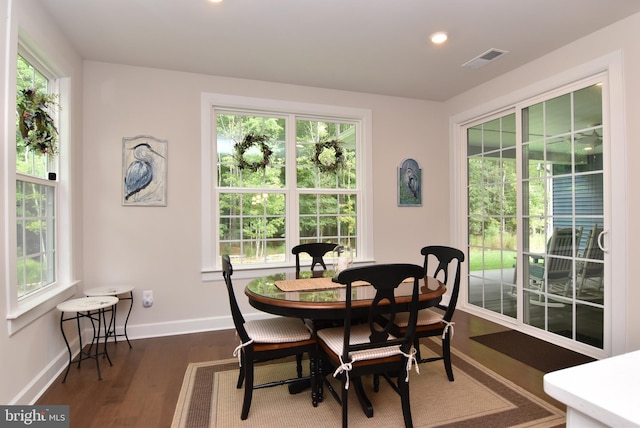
(30, 311)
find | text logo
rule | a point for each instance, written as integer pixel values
(34, 416)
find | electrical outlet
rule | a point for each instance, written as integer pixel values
(147, 298)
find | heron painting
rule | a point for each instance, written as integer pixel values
(409, 184)
(144, 171)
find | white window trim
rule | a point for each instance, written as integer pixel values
(614, 114)
(21, 313)
(210, 269)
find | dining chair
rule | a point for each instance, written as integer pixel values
(355, 350)
(591, 273)
(266, 340)
(316, 250)
(436, 322)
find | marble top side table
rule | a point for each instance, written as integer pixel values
(123, 292)
(93, 309)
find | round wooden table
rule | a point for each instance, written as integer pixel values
(324, 303)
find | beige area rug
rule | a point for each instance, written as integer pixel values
(477, 398)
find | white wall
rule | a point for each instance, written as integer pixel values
(159, 248)
(607, 43)
(31, 357)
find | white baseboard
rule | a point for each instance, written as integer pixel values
(40, 383)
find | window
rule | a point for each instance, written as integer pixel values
(35, 199)
(304, 185)
(40, 265)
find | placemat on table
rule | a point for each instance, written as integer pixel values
(306, 284)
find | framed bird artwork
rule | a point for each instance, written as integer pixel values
(409, 184)
(144, 171)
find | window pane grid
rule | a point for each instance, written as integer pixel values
(30, 161)
(252, 220)
(35, 231)
(491, 199)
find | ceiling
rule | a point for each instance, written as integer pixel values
(372, 46)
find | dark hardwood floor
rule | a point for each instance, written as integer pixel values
(142, 387)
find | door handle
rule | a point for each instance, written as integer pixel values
(601, 241)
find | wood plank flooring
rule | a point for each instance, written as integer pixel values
(141, 388)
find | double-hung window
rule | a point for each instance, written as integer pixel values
(39, 264)
(282, 174)
(35, 198)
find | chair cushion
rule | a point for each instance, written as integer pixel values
(277, 330)
(334, 338)
(425, 317)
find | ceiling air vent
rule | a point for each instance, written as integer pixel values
(485, 58)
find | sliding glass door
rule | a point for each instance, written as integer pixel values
(536, 216)
(492, 191)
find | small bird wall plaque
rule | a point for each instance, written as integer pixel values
(409, 184)
(144, 171)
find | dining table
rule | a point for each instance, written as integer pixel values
(316, 296)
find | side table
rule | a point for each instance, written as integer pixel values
(123, 292)
(92, 308)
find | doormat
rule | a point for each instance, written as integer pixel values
(532, 351)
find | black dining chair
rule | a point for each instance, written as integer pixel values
(366, 348)
(432, 322)
(316, 250)
(266, 340)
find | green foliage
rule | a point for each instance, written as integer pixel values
(329, 156)
(35, 122)
(28, 161)
(242, 152)
(252, 203)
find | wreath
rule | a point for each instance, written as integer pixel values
(249, 141)
(320, 160)
(35, 123)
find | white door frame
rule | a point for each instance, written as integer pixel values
(615, 204)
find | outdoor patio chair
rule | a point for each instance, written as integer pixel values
(590, 273)
(553, 272)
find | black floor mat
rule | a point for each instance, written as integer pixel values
(532, 351)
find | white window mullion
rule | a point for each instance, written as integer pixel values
(293, 197)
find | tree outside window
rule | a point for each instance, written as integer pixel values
(35, 200)
(302, 188)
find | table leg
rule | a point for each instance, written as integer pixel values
(94, 340)
(78, 316)
(66, 341)
(367, 407)
(130, 298)
(106, 335)
(111, 330)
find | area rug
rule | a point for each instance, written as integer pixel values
(532, 351)
(477, 398)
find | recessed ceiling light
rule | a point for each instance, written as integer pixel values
(439, 37)
(215, 1)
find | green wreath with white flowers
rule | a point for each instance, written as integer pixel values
(320, 160)
(249, 141)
